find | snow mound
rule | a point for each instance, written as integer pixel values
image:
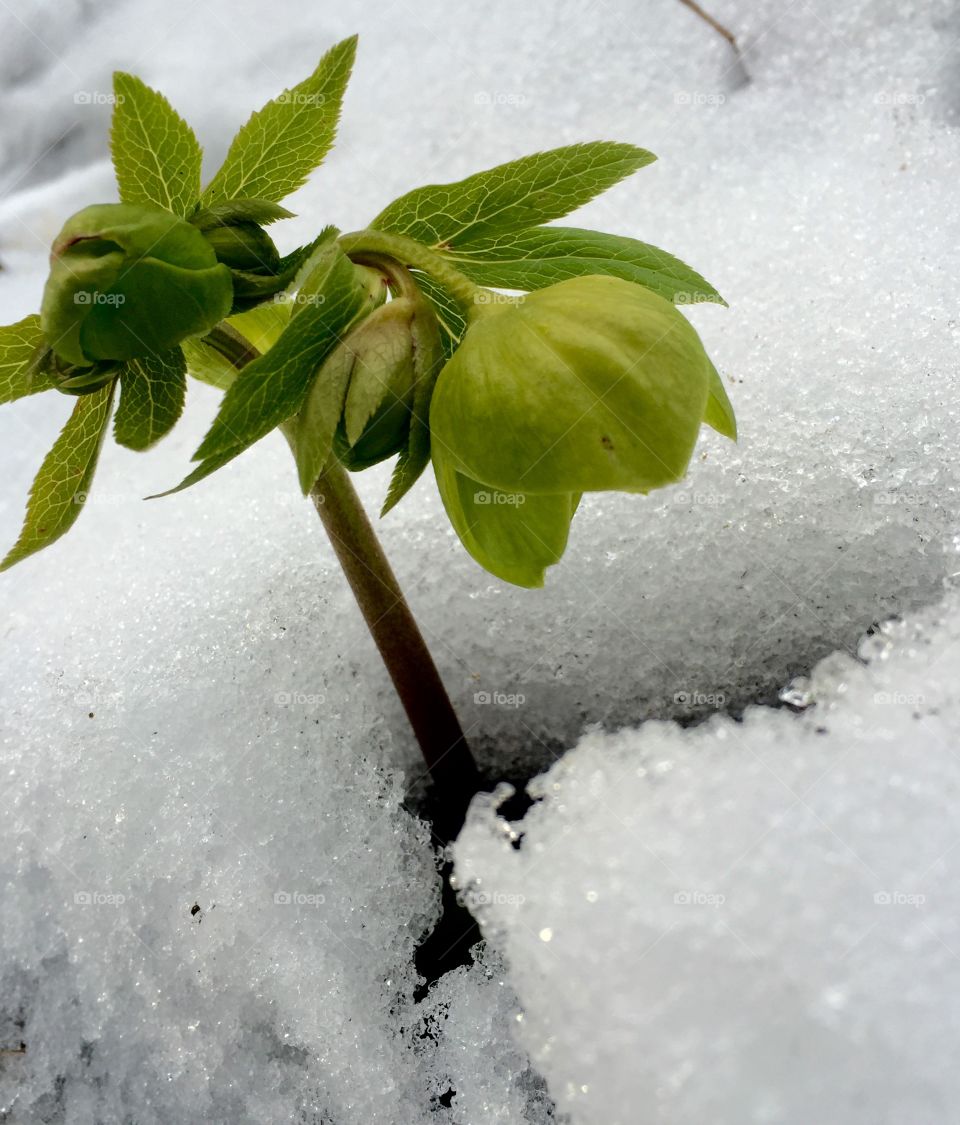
(754, 921)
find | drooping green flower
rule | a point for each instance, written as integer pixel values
(130, 280)
(591, 384)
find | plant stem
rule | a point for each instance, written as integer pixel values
(389, 619)
(397, 635)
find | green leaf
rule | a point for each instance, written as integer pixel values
(60, 488)
(155, 153)
(152, 391)
(228, 212)
(448, 314)
(281, 144)
(719, 413)
(272, 388)
(19, 375)
(533, 259)
(511, 197)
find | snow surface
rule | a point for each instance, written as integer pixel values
(245, 743)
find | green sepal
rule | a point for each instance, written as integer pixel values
(513, 536)
(719, 413)
(429, 358)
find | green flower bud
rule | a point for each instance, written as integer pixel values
(244, 246)
(385, 363)
(591, 384)
(130, 280)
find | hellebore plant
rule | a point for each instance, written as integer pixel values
(396, 340)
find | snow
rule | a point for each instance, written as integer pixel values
(245, 742)
(756, 921)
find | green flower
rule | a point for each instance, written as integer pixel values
(588, 385)
(130, 280)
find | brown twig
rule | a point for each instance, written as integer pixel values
(717, 26)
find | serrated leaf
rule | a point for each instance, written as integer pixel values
(19, 375)
(533, 259)
(514, 196)
(719, 413)
(282, 143)
(227, 212)
(59, 489)
(156, 155)
(272, 388)
(452, 324)
(200, 472)
(152, 391)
